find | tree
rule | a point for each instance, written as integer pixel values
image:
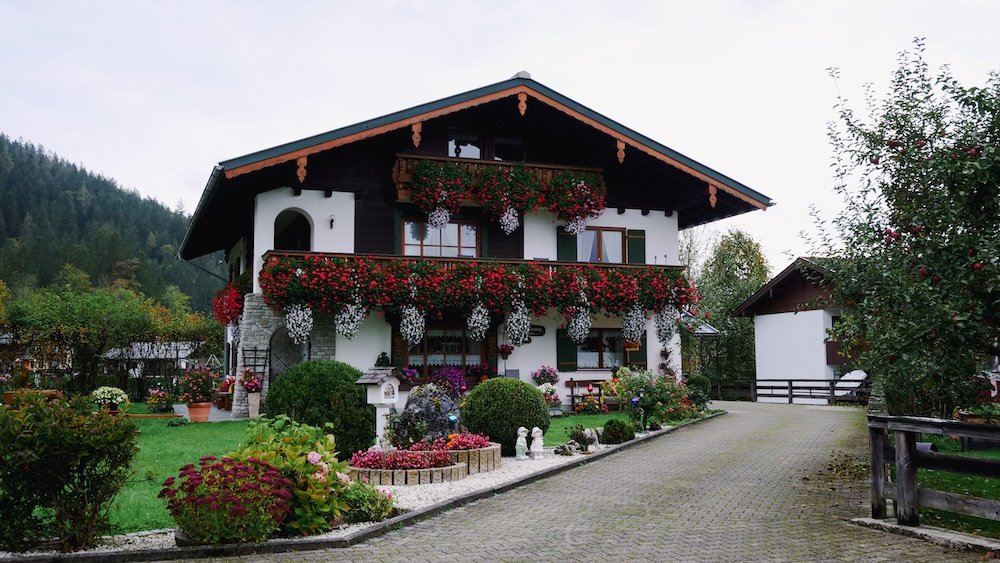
(735, 268)
(916, 250)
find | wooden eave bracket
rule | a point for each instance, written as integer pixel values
(620, 143)
(301, 172)
(522, 102)
(417, 128)
(712, 197)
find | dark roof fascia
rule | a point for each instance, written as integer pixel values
(210, 187)
(485, 91)
(743, 309)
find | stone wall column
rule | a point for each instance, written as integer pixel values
(257, 325)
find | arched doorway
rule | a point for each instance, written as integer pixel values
(292, 231)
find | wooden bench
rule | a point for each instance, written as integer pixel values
(578, 390)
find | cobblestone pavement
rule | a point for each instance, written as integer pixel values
(753, 485)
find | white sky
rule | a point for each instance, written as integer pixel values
(153, 94)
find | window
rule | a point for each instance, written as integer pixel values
(601, 245)
(464, 145)
(459, 238)
(603, 349)
(510, 150)
(445, 347)
(292, 231)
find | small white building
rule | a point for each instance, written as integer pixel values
(792, 315)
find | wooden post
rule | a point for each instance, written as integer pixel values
(833, 385)
(876, 444)
(753, 390)
(907, 513)
(791, 391)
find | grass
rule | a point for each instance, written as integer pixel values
(162, 451)
(559, 426)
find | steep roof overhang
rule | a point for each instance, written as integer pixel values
(797, 268)
(519, 88)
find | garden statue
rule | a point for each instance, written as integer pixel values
(569, 448)
(593, 444)
(536, 444)
(521, 446)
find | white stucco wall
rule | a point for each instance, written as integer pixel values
(373, 338)
(661, 233)
(317, 208)
(792, 346)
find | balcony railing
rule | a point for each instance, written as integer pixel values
(551, 265)
(402, 172)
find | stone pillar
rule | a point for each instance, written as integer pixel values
(323, 340)
(258, 323)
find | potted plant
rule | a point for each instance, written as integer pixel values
(159, 401)
(109, 397)
(252, 383)
(224, 396)
(198, 385)
(504, 350)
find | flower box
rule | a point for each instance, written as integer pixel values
(411, 476)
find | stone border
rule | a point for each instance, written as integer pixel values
(284, 545)
(940, 536)
(479, 460)
(410, 476)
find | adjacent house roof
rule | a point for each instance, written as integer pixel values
(520, 85)
(152, 351)
(796, 287)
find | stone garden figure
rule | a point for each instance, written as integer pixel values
(521, 446)
(593, 444)
(536, 444)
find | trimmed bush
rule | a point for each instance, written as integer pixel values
(497, 407)
(61, 466)
(367, 503)
(321, 392)
(699, 390)
(617, 431)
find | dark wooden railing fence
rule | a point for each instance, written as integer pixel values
(907, 458)
(791, 389)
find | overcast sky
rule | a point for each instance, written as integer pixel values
(153, 94)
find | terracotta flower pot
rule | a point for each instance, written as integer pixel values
(631, 345)
(198, 412)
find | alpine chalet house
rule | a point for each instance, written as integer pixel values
(508, 226)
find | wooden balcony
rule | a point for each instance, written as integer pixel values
(402, 172)
(552, 265)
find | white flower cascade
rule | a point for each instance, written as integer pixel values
(411, 326)
(518, 324)
(666, 323)
(299, 322)
(438, 218)
(576, 225)
(579, 324)
(350, 317)
(634, 323)
(479, 319)
(509, 221)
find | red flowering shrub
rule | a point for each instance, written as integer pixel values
(227, 500)
(503, 187)
(467, 441)
(440, 184)
(401, 459)
(575, 195)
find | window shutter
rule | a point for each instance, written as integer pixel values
(638, 358)
(491, 348)
(399, 348)
(565, 246)
(636, 246)
(565, 351)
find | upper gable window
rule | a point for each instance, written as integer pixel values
(465, 145)
(292, 231)
(508, 149)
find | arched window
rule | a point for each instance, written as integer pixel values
(292, 231)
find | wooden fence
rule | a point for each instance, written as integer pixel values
(830, 390)
(907, 458)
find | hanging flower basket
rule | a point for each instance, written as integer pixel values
(505, 350)
(504, 191)
(575, 198)
(227, 306)
(438, 190)
(632, 345)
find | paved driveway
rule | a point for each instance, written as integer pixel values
(753, 485)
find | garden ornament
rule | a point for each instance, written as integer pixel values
(536, 444)
(521, 446)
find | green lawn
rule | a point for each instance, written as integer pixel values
(983, 487)
(162, 451)
(559, 427)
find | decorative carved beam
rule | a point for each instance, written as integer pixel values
(621, 150)
(712, 198)
(522, 102)
(417, 128)
(301, 172)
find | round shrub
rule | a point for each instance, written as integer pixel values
(617, 431)
(699, 390)
(497, 407)
(321, 392)
(367, 504)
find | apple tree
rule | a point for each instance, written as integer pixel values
(915, 251)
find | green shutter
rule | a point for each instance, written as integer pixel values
(638, 358)
(565, 351)
(636, 246)
(491, 348)
(399, 348)
(565, 246)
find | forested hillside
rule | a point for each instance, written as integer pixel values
(53, 212)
